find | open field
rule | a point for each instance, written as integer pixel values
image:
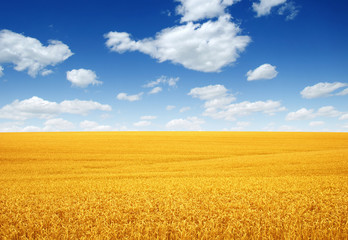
(188, 185)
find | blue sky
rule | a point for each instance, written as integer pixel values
(247, 65)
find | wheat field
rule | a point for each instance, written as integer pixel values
(173, 185)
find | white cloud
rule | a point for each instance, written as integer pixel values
(1, 71)
(231, 111)
(170, 107)
(218, 103)
(316, 123)
(131, 98)
(306, 114)
(184, 109)
(322, 89)
(328, 111)
(82, 77)
(29, 54)
(163, 80)
(155, 90)
(301, 114)
(36, 107)
(289, 9)
(193, 10)
(57, 124)
(264, 7)
(209, 92)
(31, 129)
(288, 128)
(148, 117)
(142, 124)
(343, 92)
(205, 47)
(265, 71)
(190, 123)
(94, 126)
(344, 117)
(46, 72)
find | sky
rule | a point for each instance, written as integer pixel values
(165, 65)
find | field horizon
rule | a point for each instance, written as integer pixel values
(174, 185)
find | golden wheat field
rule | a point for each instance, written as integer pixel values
(173, 185)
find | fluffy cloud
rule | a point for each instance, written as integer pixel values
(301, 114)
(265, 71)
(148, 117)
(94, 126)
(231, 111)
(190, 123)
(216, 96)
(155, 90)
(29, 54)
(131, 98)
(322, 89)
(289, 9)
(205, 47)
(343, 92)
(209, 92)
(306, 114)
(264, 7)
(46, 72)
(316, 123)
(36, 107)
(57, 124)
(170, 107)
(193, 10)
(142, 124)
(344, 117)
(82, 77)
(170, 81)
(184, 109)
(218, 103)
(1, 71)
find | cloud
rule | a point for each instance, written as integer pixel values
(184, 109)
(46, 72)
(82, 77)
(190, 123)
(94, 126)
(344, 117)
(170, 81)
(264, 7)
(343, 92)
(265, 71)
(57, 124)
(289, 9)
(170, 107)
(142, 124)
(205, 47)
(322, 89)
(1, 71)
(218, 103)
(131, 98)
(301, 114)
(209, 92)
(36, 107)
(155, 90)
(231, 111)
(194, 10)
(306, 114)
(148, 117)
(29, 54)
(316, 123)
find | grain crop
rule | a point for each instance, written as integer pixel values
(174, 185)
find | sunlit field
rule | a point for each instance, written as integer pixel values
(174, 185)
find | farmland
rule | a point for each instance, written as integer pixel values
(173, 185)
